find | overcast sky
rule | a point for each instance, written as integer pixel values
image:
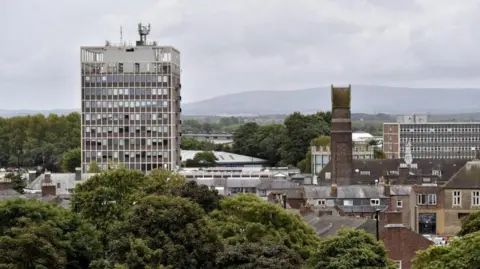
(230, 46)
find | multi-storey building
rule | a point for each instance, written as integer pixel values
(431, 140)
(131, 105)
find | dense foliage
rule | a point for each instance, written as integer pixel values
(39, 235)
(38, 140)
(124, 219)
(351, 249)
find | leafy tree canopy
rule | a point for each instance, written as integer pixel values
(164, 230)
(461, 253)
(470, 224)
(247, 218)
(40, 235)
(71, 160)
(351, 249)
(258, 255)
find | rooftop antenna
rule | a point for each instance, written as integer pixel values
(143, 31)
(121, 35)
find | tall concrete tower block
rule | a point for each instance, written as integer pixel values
(341, 136)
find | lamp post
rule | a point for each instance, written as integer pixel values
(377, 230)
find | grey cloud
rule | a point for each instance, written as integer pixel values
(232, 46)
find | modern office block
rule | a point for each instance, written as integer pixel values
(431, 140)
(131, 105)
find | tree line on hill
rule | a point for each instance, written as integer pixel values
(53, 142)
(124, 219)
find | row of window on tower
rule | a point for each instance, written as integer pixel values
(126, 104)
(125, 92)
(126, 141)
(126, 129)
(126, 78)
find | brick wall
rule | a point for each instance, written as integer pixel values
(391, 140)
(341, 137)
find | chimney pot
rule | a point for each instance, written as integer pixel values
(333, 190)
(78, 174)
(48, 177)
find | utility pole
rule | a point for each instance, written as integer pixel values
(377, 230)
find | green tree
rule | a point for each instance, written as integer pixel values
(459, 254)
(269, 140)
(40, 235)
(470, 223)
(300, 131)
(208, 199)
(351, 249)
(244, 141)
(379, 154)
(105, 198)
(257, 255)
(202, 159)
(71, 160)
(165, 230)
(247, 218)
(18, 183)
(94, 167)
(41, 140)
(195, 144)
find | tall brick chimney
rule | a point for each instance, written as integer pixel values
(341, 136)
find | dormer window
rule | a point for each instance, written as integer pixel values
(374, 202)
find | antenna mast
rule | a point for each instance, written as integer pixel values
(121, 35)
(143, 31)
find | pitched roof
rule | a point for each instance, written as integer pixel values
(329, 225)
(467, 178)
(368, 170)
(64, 182)
(345, 192)
(277, 184)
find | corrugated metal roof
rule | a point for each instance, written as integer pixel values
(224, 157)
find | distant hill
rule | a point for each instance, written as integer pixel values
(12, 113)
(365, 99)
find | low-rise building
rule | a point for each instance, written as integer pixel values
(361, 150)
(461, 196)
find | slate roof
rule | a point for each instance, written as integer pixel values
(329, 225)
(378, 168)
(345, 192)
(467, 178)
(277, 184)
(400, 190)
(67, 181)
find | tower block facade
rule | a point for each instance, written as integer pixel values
(341, 136)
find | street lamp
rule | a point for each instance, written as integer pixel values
(376, 217)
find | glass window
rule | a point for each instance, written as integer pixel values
(87, 103)
(87, 129)
(125, 91)
(165, 129)
(137, 116)
(109, 104)
(154, 116)
(154, 91)
(165, 91)
(87, 117)
(165, 104)
(115, 92)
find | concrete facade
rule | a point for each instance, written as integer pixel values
(439, 140)
(131, 106)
